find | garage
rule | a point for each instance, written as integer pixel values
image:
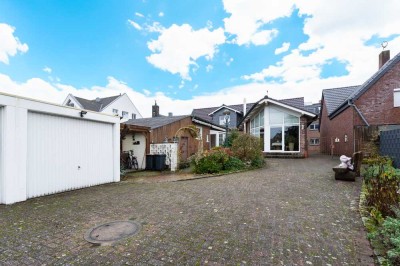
(52, 148)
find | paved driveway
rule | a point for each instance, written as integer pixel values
(291, 213)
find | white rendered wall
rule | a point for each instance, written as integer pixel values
(138, 150)
(123, 103)
(15, 125)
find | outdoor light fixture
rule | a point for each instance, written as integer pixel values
(226, 113)
(82, 113)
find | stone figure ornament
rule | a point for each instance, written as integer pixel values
(345, 162)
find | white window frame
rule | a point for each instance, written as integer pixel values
(115, 111)
(314, 126)
(222, 121)
(313, 141)
(133, 116)
(125, 114)
(256, 123)
(396, 97)
(283, 124)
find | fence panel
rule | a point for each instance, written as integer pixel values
(390, 145)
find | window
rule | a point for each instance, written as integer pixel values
(221, 138)
(115, 111)
(314, 126)
(125, 114)
(314, 141)
(396, 97)
(257, 124)
(284, 131)
(70, 103)
(133, 116)
(222, 120)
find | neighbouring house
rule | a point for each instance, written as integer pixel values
(169, 129)
(224, 116)
(281, 125)
(313, 135)
(120, 105)
(353, 116)
(47, 148)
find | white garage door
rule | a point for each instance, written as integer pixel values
(1, 150)
(67, 153)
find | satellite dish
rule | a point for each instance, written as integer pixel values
(384, 44)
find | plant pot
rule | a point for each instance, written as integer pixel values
(291, 146)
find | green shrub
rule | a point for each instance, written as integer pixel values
(248, 149)
(232, 135)
(382, 181)
(234, 164)
(212, 161)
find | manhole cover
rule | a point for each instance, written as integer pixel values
(109, 233)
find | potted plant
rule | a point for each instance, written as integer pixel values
(291, 140)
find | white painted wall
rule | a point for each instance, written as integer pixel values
(123, 103)
(16, 122)
(138, 150)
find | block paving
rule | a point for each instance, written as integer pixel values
(292, 212)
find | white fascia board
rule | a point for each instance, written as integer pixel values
(34, 105)
(222, 107)
(302, 112)
(207, 124)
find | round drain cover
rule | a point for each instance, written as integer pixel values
(109, 233)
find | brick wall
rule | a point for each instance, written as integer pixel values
(338, 127)
(376, 104)
(303, 137)
(313, 134)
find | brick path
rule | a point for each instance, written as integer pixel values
(291, 213)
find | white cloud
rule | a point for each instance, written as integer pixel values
(209, 68)
(161, 14)
(134, 24)
(47, 69)
(284, 48)
(9, 44)
(155, 27)
(248, 19)
(139, 15)
(336, 32)
(178, 47)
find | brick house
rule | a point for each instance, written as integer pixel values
(349, 115)
(281, 125)
(219, 115)
(163, 129)
(313, 135)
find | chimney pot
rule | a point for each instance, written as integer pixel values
(384, 56)
(170, 114)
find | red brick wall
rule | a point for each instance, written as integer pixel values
(303, 137)
(338, 127)
(312, 134)
(376, 104)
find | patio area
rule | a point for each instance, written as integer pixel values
(292, 212)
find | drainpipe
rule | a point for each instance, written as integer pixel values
(362, 117)
(358, 111)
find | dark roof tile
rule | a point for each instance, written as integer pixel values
(155, 122)
(335, 97)
(97, 104)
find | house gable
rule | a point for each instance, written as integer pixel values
(122, 104)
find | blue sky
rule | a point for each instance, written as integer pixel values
(187, 53)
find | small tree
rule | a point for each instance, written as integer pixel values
(248, 149)
(232, 135)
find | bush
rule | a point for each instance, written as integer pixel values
(212, 161)
(234, 164)
(232, 135)
(386, 238)
(381, 181)
(248, 149)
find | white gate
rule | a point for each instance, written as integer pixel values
(67, 153)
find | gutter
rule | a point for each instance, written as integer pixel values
(358, 111)
(207, 124)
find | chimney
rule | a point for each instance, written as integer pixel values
(384, 56)
(244, 107)
(170, 114)
(155, 110)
